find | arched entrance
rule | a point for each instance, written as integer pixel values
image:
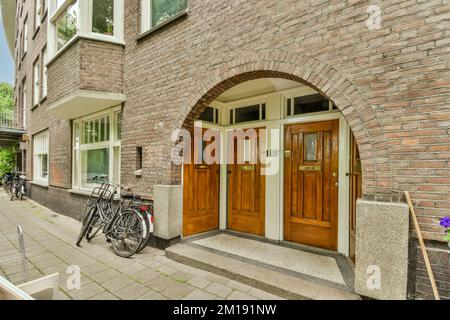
(348, 112)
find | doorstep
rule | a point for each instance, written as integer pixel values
(284, 271)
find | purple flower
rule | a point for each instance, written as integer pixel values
(445, 222)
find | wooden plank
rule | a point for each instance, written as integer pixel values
(422, 247)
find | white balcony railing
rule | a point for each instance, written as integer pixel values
(14, 119)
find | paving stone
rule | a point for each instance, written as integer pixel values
(106, 275)
(95, 268)
(199, 282)
(133, 268)
(263, 295)
(238, 295)
(177, 291)
(131, 292)
(146, 275)
(117, 283)
(104, 296)
(200, 295)
(219, 289)
(181, 276)
(238, 285)
(166, 270)
(90, 290)
(152, 295)
(160, 283)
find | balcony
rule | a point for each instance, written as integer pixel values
(12, 127)
(85, 77)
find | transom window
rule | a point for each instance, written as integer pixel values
(255, 112)
(307, 104)
(96, 19)
(210, 115)
(97, 148)
(156, 12)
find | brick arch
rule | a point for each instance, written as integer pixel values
(377, 175)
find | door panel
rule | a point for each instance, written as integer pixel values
(311, 183)
(355, 192)
(200, 196)
(246, 191)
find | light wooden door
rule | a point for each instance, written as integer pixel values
(246, 188)
(200, 194)
(311, 183)
(355, 192)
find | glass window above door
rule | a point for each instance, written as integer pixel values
(308, 104)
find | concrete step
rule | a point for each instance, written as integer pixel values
(278, 283)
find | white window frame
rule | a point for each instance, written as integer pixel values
(24, 103)
(84, 24)
(146, 17)
(44, 72)
(40, 149)
(112, 144)
(25, 37)
(36, 82)
(38, 6)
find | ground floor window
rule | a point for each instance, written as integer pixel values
(97, 148)
(40, 151)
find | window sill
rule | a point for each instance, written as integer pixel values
(35, 106)
(43, 99)
(84, 36)
(44, 16)
(42, 184)
(169, 21)
(87, 193)
(80, 192)
(36, 31)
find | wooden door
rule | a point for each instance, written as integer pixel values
(355, 192)
(200, 193)
(246, 188)
(311, 183)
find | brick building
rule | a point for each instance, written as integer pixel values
(354, 97)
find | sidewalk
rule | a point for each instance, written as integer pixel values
(49, 241)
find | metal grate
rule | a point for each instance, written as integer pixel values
(13, 261)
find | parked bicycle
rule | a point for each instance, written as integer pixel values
(124, 227)
(7, 181)
(17, 186)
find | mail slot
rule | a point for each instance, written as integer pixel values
(247, 168)
(201, 166)
(310, 168)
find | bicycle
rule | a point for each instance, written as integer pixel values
(124, 228)
(105, 209)
(7, 181)
(18, 186)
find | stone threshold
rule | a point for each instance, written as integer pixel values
(280, 281)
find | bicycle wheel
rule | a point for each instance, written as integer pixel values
(87, 221)
(126, 233)
(146, 236)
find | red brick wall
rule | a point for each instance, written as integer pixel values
(391, 84)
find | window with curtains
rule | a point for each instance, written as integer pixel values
(40, 163)
(97, 148)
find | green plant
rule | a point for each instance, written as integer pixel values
(7, 160)
(6, 98)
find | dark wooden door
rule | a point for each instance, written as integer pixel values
(200, 193)
(246, 188)
(355, 192)
(311, 183)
